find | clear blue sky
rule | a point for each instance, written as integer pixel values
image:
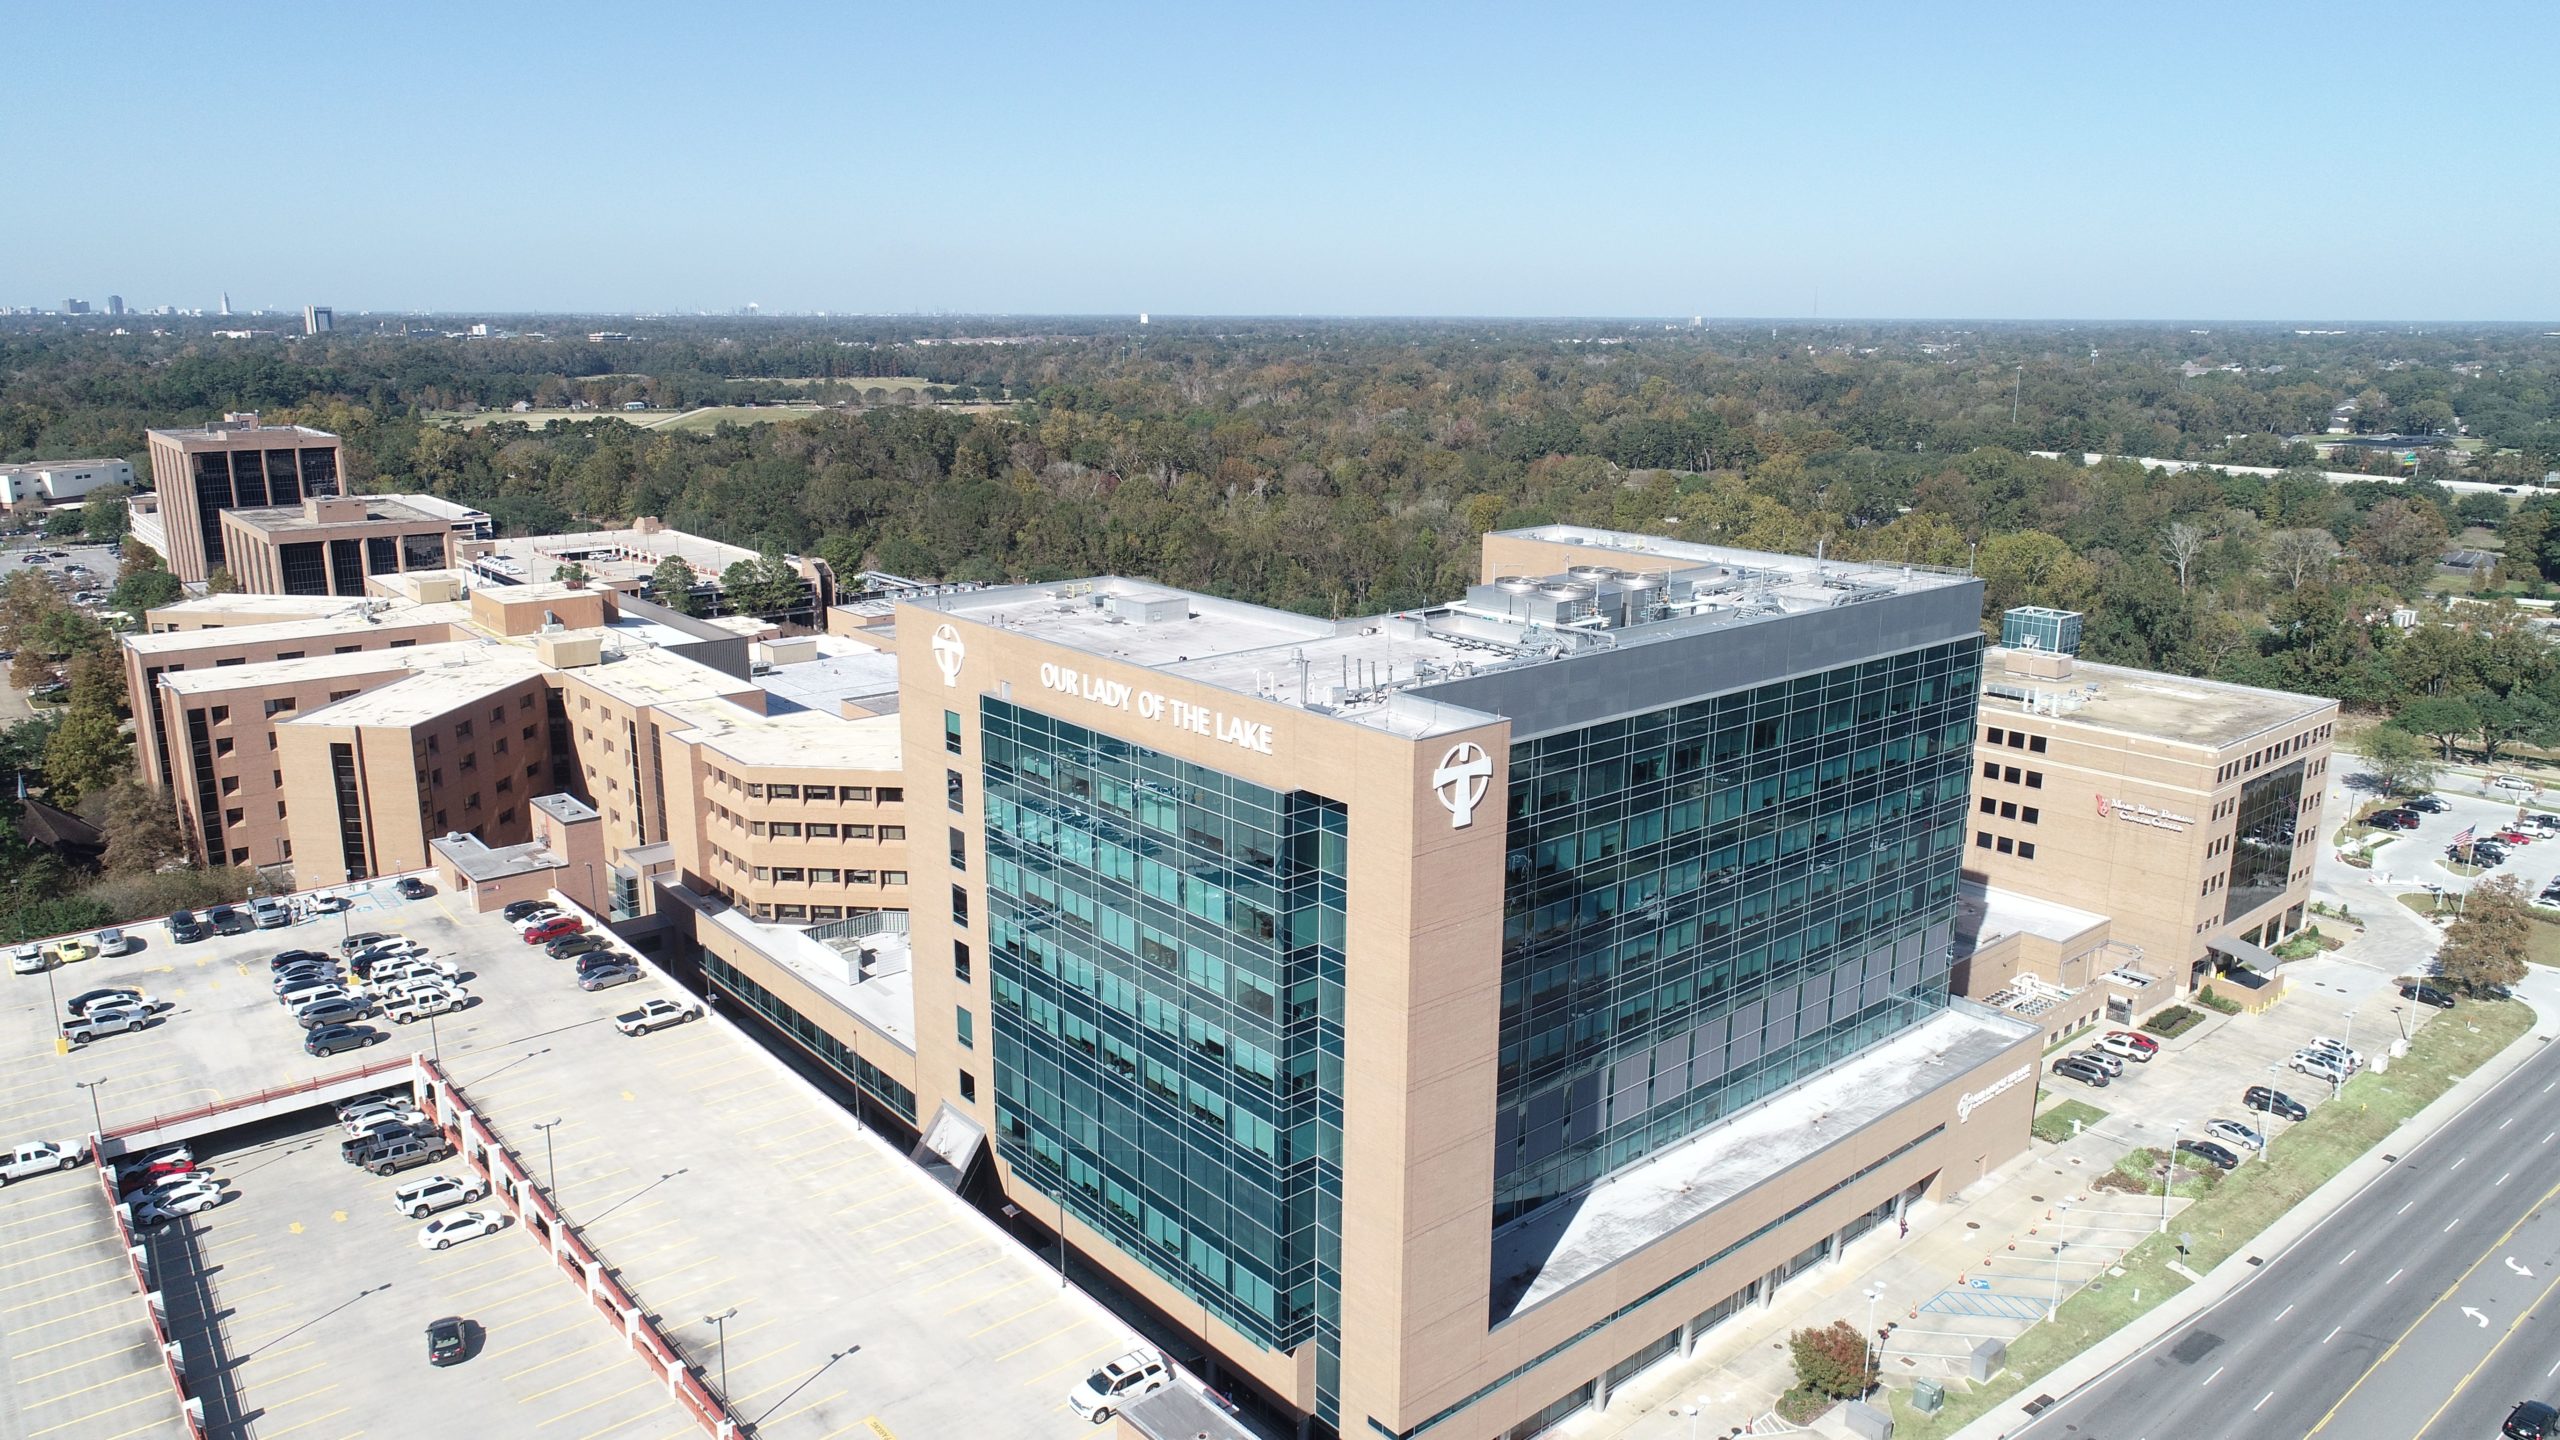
(2232, 160)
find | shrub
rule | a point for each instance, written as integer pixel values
(1803, 1407)
(2211, 1001)
(1834, 1361)
(2174, 1021)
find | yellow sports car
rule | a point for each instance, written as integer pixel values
(70, 952)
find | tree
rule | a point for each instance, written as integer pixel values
(2298, 555)
(2182, 543)
(63, 524)
(2485, 945)
(2031, 567)
(1834, 1361)
(88, 754)
(671, 585)
(97, 681)
(146, 589)
(2398, 759)
(2444, 719)
(2402, 539)
(766, 585)
(221, 582)
(104, 515)
(141, 829)
(572, 573)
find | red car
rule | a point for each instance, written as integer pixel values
(2514, 837)
(2143, 1043)
(553, 929)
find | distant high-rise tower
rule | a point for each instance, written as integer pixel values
(115, 304)
(226, 302)
(1142, 317)
(317, 320)
(75, 307)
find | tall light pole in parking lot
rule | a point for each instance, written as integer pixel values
(721, 1322)
(97, 1121)
(551, 1165)
(2170, 1182)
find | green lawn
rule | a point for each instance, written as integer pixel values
(2303, 1157)
(2542, 943)
(712, 417)
(2055, 1124)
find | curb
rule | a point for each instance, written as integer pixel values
(2130, 1342)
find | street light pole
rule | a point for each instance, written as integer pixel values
(2054, 1310)
(1875, 1351)
(97, 1121)
(54, 998)
(2170, 1183)
(721, 1322)
(551, 1163)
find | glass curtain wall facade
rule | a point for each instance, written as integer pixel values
(1709, 903)
(2262, 850)
(1166, 952)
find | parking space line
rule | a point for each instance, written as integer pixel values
(975, 1302)
(88, 1197)
(49, 1254)
(1071, 1324)
(1086, 1360)
(50, 1299)
(937, 1255)
(74, 1365)
(65, 1230)
(138, 1429)
(124, 1324)
(988, 1263)
(266, 1434)
(803, 1410)
(601, 1342)
(538, 1339)
(617, 1395)
(428, 1257)
(1022, 1314)
(155, 1393)
(85, 1389)
(120, 1302)
(926, 1204)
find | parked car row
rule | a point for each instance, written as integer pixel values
(110, 1010)
(387, 1134)
(37, 958)
(2100, 1064)
(161, 1186)
(2327, 1059)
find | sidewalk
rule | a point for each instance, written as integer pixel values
(2541, 989)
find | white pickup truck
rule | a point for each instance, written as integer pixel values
(38, 1156)
(105, 1020)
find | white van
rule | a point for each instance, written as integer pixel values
(420, 1004)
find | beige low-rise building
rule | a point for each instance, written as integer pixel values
(238, 462)
(334, 544)
(2184, 810)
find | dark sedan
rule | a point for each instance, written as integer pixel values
(448, 1340)
(2394, 819)
(2530, 1420)
(2210, 1153)
(2425, 805)
(2427, 995)
(2273, 1102)
(227, 920)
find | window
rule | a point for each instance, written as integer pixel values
(1988, 805)
(965, 1026)
(221, 714)
(2029, 814)
(233, 817)
(951, 731)
(2004, 847)
(953, 789)
(2017, 740)
(1982, 839)
(222, 747)
(2010, 774)
(858, 792)
(959, 905)
(278, 707)
(893, 877)
(755, 827)
(968, 1087)
(959, 849)
(861, 877)
(960, 960)
(231, 783)
(1992, 735)
(857, 832)
(790, 875)
(2026, 849)
(818, 792)
(2036, 744)
(782, 792)
(1990, 771)
(2035, 779)
(821, 831)
(893, 794)
(893, 832)
(2008, 810)
(823, 876)
(785, 829)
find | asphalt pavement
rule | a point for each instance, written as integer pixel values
(2421, 1308)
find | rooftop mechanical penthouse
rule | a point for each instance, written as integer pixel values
(1457, 1011)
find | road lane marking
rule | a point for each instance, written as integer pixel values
(2216, 1375)
(2332, 1335)
(2403, 1210)
(2492, 1353)
(2501, 1180)
(2262, 1400)
(2394, 1348)
(2343, 1259)
(2456, 1165)
(2396, 1274)
(2448, 1229)
(2510, 1120)
(2284, 1312)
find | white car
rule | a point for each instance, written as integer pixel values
(414, 968)
(2515, 784)
(371, 1120)
(469, 1225)
(2338, 1050)
(38, 1156)
(2232, 1132)
(169, 1205)
(27, 960)
(653, 1015)
(1140, 1372)
(408, 983)
(2321, 1065)
(377, 1125)
(422, 1198)
(417, 1005)
(374, 1105)
(309, 991)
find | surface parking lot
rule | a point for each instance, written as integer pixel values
(869, 1300)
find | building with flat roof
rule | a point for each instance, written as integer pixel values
(237, 462)
(627, 560)
(1648, 855)
(2185, 810)
(333, 544)
(59, 480)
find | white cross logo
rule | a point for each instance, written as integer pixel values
(1464, 775)
(947, 652)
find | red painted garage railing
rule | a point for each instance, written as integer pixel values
(190, 1409)
(240, 1102)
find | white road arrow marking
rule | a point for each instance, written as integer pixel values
(2476, 1315)
(2519, 1269)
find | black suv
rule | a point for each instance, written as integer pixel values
(185, 928)
(2394, 819)
(2273, 1102)
(2427, 995)
(2530, 1420)
(2087, 1072)
(2425, 805)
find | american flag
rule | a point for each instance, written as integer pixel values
(2464, 838)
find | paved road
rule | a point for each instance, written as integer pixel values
(2421, 1310)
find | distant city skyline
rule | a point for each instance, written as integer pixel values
(1987, 162)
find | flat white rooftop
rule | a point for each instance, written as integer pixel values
(1991, 913)
(790, 738)
(2178, 708)
(880, 994)
(1648, 1203)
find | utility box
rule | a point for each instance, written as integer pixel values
(1986, 1360)
(1927, 1396)
(1866, 1421)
